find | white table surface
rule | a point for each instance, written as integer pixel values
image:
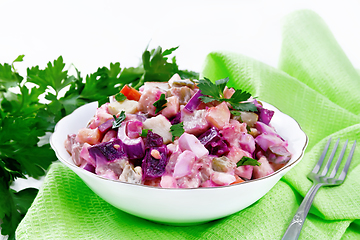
(91, 34)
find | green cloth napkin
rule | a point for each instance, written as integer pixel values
(315, 83)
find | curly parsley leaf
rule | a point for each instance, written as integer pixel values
(177, 130)
(160, 104)
(24, 120)
(215, 92)
(247, 161)
(245, 107)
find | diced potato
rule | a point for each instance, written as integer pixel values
(129, 106)
(218, 116)
(159, 125)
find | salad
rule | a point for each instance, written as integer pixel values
(180, 134)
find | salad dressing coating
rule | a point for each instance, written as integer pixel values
(166, 135)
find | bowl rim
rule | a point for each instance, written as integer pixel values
(179, 189)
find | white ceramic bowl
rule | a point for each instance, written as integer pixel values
(178, 206)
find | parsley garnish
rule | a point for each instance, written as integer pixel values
(177, 130)
(215, 92)
(247, 161)
(25, 119)
(119, 120)
(144, 132)
(160, 104)
(120, 97)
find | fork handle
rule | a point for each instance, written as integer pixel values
(294, 228)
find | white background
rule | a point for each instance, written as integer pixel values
(91, 34)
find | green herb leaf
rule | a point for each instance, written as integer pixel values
(119, 120)
(209, 88)
(235, 113)
(120, 97)
(244, 107)
(24, 120)
(144, 132)
(160, 104)
(177, 130)
(247, 161)
(19, 58)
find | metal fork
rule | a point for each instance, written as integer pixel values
(319, 179)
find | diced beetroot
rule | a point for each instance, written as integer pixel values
(194, 123)
(191, 143)
(153, 167)
(218, 116)
(213, 142)
(245, 171)
(184, 164)
(153, 140)
(89, 167)
(176, 119)
(107, 151)
(263, 170)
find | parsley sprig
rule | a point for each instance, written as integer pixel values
(215, 92)
(118, 120)
(24, 119)
(177, 130)
(160, 104)
(247, 161)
